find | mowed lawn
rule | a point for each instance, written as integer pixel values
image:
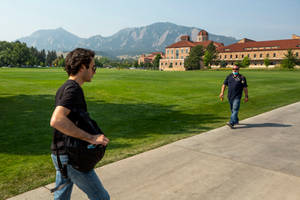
(138, 110)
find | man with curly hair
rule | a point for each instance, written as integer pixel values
(80, 66)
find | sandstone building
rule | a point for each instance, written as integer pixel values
(177, 52)
(274, 50)
(256, 51)
(149, 57)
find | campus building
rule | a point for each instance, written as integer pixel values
(177, 52)
(148, 58)
(274, 50)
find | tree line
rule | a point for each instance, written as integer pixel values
(17, 54)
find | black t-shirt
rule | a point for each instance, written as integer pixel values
(235, 86)
(69, 95)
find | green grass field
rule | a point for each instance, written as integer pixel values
(138, 111)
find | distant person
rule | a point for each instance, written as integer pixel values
(80, 66)
(236, 83)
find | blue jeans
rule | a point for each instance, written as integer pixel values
(88, 182)
(234, 107)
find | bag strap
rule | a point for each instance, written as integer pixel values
(62, 169)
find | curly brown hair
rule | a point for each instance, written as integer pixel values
(76, 58)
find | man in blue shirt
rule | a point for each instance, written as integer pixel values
(236, 83)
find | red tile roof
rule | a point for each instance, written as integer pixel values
(206, 43)
(184, 43)
(262, 46)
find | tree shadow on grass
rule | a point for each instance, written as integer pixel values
(25, 130)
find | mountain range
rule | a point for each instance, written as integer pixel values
(128, 41)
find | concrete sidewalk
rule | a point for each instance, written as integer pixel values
(259, 160)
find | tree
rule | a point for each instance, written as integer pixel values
(193, 61)
(59, 62)
(245, 62)
(223, 64)
(98, 63)
(51, 56)
(156, 61)
(290, 60)
(210, 55)
(18, 54)
(238, 63)
(148, 65)
(141, 65)
(267, 61)
(136, 64)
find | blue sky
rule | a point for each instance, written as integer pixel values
(254, 19)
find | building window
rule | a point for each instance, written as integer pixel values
(254, 55)
(248, 55)
(180, 63)
(186, 50)
(168, 51)
(242, 55)
(236, 56)
(274, 54)
(181, 57)
(260, 55)
(230, 56)
(267, 55)
(175, 63)
(225, 56)
(182, 50)
(172, 51)
(297, 54)
(220, 57)
(177, 53)
(172, 57)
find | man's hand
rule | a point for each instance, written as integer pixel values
(246, 99)
(100, 139)
(221, 96)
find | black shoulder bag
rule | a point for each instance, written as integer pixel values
(82, 155)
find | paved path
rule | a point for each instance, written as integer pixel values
(260, 160)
